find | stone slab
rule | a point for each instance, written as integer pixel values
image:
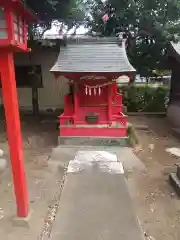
(22, 221)
(175, 183)
(99, 160)
(176, 132)
(63, 154)
(178, 172)
(96, 205)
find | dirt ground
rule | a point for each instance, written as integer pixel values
(44, 180)
(156, 203)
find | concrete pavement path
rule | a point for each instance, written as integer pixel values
(95, 203)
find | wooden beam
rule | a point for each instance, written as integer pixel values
(110, 103)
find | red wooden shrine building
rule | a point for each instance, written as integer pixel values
(93, 107)
(14, 17)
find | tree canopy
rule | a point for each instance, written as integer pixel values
(69, 13)
(148, 24)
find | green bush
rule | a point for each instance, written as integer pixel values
(144, 98)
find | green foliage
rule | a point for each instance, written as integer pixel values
(144, 98)
(49, 10)
(67, 13)
(149, 25)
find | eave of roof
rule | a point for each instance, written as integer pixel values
(176, 47)
(174, 51)
(93, 55)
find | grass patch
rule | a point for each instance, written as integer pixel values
(132, 136)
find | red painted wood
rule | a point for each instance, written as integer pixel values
(93, 132)
(76, 103)
(9, 20)
(108, 75)
(19, 9)
(68, 105)
(110, 103)
(102, 119)
(25, 33)
(120, 118)
(13, 47)
(13, 130)
(93, 99)
(18, 20)
(8, 46)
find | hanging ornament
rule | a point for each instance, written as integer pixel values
(89, 91)
(86, 90)
(99, 91)
(95, 91)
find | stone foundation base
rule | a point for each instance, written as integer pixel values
(175, 182)
(93, 141)
(173, 114)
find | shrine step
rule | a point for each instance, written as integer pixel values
(93, 141)
(81, 124)
(116, 130)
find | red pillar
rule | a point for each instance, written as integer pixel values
(110, 103)
(76, 105)
(10, 100)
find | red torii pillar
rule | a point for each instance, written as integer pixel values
(10, 100)
(14, 17)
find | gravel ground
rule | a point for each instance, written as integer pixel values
(156, 203)
(44, 180)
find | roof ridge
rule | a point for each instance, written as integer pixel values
(93, 40)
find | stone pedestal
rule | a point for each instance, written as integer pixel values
(174, 179)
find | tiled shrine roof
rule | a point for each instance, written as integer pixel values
(176, 47)
(103, 55)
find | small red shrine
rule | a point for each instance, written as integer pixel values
(93, 107)
(14, 17)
